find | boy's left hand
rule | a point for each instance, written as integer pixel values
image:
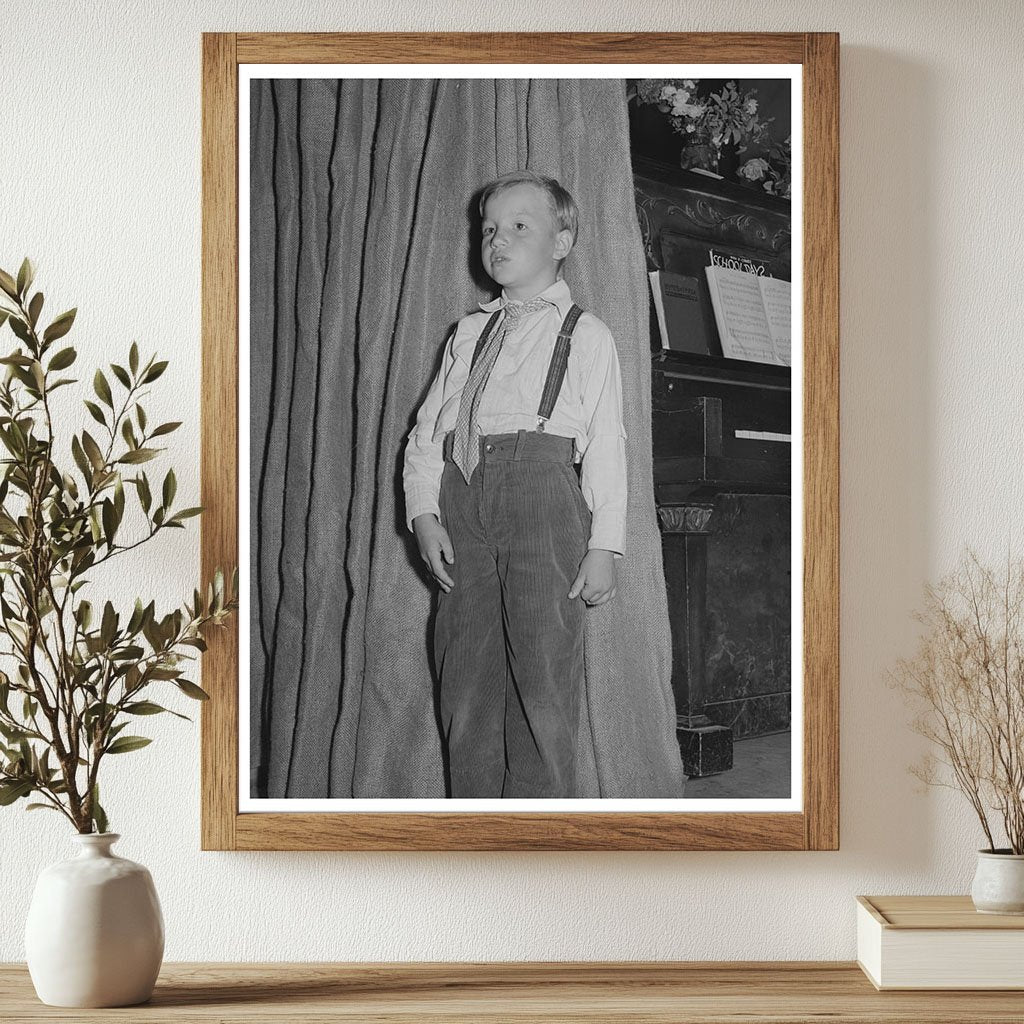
(595, 582)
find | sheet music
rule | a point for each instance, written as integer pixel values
(740, 315)
(776, 296)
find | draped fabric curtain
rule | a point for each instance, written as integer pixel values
(362, 257)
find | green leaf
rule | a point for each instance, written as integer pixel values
(128, 433)
(169, 488)
(165, 428)
(135, 622)
(121, 374)
(11, 791)
(130, 653)
(80, 459)
(125, 744)
(99, 817)
(186, 513)
(164, 673)
(99, 382)
(63, 359)
(119, 498)
(8, 284)
(92, 449)
(11, 733)
(151, 632)
(133, 358)
(115, 729)
(191, 690)
(26, 272)
(94, 711)
(139, 455)
(20, 328)
(143, 707)
(154, 371)
(109, 521)
(60, 326)
(109, 624)
(34, 307)
(96, 412)
(10, 442)
(42, 807)
(140, 415)
(147, 707)
(142, 483)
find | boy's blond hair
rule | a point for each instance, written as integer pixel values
(563, 206)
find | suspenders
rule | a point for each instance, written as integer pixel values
(484, 335)
(556, 368)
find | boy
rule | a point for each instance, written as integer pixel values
(516, 542)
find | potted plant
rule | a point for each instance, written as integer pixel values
(81, 672)
(967, 682)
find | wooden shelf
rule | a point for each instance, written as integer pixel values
(659, 993)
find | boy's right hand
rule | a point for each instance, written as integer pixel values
(435, 548)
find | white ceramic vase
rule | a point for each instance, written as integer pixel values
(95, 933)
(998, 886)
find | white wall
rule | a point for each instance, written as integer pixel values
(100, 184)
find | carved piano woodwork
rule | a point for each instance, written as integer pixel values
(723, 498)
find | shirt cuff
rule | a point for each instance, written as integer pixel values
(606, 533)
(420, 505)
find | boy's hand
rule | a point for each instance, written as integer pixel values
(435, 548)
(595, 582)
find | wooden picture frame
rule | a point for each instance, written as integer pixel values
(816, 826)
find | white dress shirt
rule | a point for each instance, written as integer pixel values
(588, 408)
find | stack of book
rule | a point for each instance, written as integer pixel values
(938, 942)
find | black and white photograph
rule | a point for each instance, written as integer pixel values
(519, 453)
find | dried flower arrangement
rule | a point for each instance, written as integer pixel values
(967, 681)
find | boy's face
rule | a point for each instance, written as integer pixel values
(522, 244)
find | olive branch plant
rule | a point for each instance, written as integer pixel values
(79, 678)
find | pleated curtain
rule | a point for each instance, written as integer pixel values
(362, 257)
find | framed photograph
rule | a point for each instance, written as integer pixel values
(608, 623)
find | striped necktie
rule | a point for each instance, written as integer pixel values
(466, 445)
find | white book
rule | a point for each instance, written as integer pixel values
(752, 314)
(938, 942)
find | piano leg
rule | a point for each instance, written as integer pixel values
(706, 748)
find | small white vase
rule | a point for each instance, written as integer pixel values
(999, 882)
(95, 933)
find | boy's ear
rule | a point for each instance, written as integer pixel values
(563, 243)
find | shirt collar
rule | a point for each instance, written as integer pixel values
(556, 293)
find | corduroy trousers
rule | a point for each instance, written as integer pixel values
(508, 641)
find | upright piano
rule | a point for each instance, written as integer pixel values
(722, 474)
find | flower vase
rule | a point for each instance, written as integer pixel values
(998, 886)
(95, 933)
(697, 152)
(728, 162)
